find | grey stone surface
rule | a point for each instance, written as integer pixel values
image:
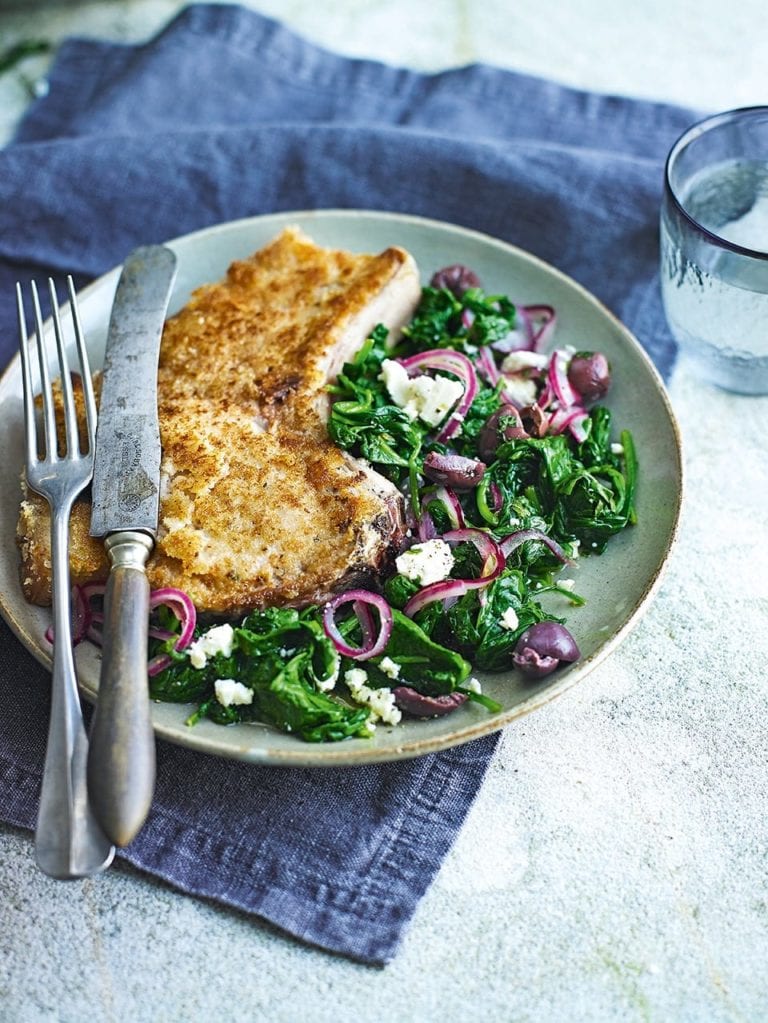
(614, 866)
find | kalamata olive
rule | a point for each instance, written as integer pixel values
(456, 279)
(504, 424)
(453, 470)
(542, 647)
(590, 375)
(420, 706)
(534, 420)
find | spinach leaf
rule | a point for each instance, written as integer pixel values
(444, 321)
(425, 665)
(477, 626)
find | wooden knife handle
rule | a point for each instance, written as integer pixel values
(121, 759)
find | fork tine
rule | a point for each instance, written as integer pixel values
(49, 418)
(30, 431)
(68, 401)
(85, 369)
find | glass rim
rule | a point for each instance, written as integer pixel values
(691, 133)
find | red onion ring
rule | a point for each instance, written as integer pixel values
(80, 615)
(372, 645)
(487, 548)
(498, 498)
(181, 605)
(450, 502)
(557, 376)
(547, 317)
(452, 589)
(538, 325)
(515, 540)
(446, 590)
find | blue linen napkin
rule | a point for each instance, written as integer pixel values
(228, 114)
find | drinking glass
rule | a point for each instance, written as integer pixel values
(714, 248)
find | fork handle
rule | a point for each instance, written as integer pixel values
(69, 843)
(121, 761)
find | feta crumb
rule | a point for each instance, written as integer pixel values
(355, 678)
(522, 390)
(509, 619)
(381, 702)
(566, 584)
(389, 667)
(425, 563)
(325, 685)
(423, 397)
(516, 362)
(617, 449)
(229, 692)
(474, 685)
(217, 640)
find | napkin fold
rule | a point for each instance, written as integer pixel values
(227, 114)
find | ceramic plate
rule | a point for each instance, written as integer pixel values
(618, 585)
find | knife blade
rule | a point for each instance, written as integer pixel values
(125, 504)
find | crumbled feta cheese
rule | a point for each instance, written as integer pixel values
(425, 563)
(389, 667)
(522, 390)
(474, 685)
(217, 640)
(566, 584)
(516, 362)
(509, 619)
(380, 702)
(398, 383)
(617, 449)
(355, 678)
(229, 692)
(325, 685)
(423, 397)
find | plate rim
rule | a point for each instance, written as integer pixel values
(329, 755)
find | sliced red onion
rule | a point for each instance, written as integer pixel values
(577, 425)
(540, 324)
(451, 589)
(450, 503)
(467, 318)
(180, 603)
(486, 366)
(360, 599)
(447, 360)
(496, 496)
(488, 549)
(80, 615)
(558, 379)
(448, 591)
(515, 540)
(537, 324)
(426, 529)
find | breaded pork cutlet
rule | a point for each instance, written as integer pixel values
(258, 506)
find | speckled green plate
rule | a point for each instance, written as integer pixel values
(618, 585)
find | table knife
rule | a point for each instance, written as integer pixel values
(125, 503)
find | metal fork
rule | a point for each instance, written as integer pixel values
(69, 842)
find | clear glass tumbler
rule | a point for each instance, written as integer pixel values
(714, 248)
